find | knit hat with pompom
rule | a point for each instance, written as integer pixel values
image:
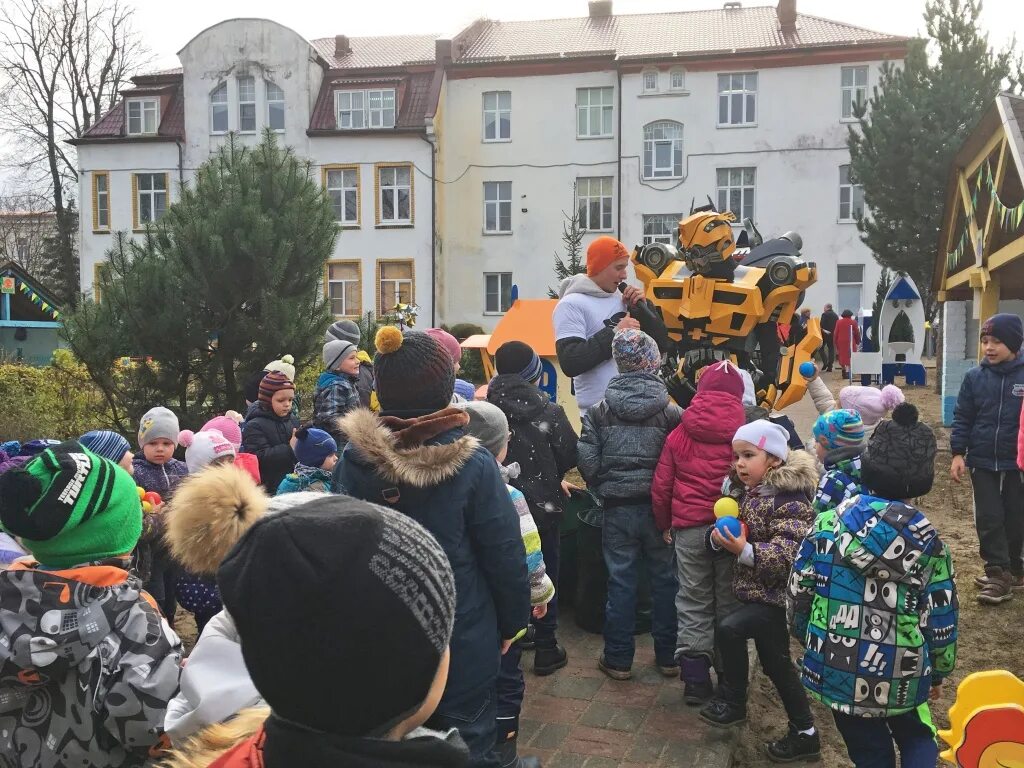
(899, 462)
(205, 447)
(872, 404)
(285, 365)
(412, 371)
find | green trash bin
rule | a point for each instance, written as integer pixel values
(591, 592)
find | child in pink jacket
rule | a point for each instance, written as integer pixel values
(687, 482)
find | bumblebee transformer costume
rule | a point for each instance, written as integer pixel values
(722, 297)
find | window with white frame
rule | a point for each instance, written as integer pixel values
(143, 116)
(219, 109)
(737, 99)
(594, 203)
(342, 186)
(854, 87)
(497, 207)
(851, 196)
(736, 192)
(661, 228)
(275, 106)
(497, 292)
(395, 203)
(246, 104)
(849, 286)
(344, 288)
(394, 284)
(351, 109)
(651, 81)
(380, 108)
(374, 108)
(594, 112)
(151, 197)
(677, 79)
(498, 116)
(663, 150)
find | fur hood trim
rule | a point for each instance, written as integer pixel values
(396, 450)
(209, 513)
(798, 474)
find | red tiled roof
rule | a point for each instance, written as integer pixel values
(172, 121)
(412, 109)
(379, 52)
(661, 34)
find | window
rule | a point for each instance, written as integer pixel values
(365, 109)
(593, 112)
(737, 99)
(21, 249)
(343, 288)
(342, 185)
(651, 81)
(247, 104)
(100, 273)
(394, 203)
(395, 284)
(497, 292)
(219, 109)
(677, 79)
(150, 201)
(854, 89)
(662, 228)
(851, 196)
(736, 192)
(850, 283)
(497, 206)
(100, 202)
(143, 116)
(663, 150)
(275, 106)
(594, 203)
(498, 116)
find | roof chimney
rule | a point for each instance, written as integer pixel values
(342, 45)
(600, 8)
(786, 11)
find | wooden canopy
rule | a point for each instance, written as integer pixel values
(981, 243)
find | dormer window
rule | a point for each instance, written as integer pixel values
(373, 108)
(143, 116)
(651, 81)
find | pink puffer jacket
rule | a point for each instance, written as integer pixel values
(696, 458)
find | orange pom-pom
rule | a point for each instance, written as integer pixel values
(388, 339)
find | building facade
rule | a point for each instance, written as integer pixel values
(454, 162)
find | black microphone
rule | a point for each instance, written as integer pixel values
(650, 323)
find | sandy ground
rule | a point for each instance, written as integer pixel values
(988, 635)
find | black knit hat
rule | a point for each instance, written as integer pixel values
(1007, 328)
(350, 641)
(899, 462)
(518, 358)
(412, 371)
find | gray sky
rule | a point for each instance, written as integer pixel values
(167, 26)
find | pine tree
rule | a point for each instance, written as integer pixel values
(228, 279)
(916, 119)
(882, 287)
(572, 243)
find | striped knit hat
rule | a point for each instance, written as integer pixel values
(106, 444)
(70, 506)
(412, 371)
(271, 383)
(518, 358)
(839, 429)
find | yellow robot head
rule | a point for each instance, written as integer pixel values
(706, 239)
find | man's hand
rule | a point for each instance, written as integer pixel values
(626, 323)
(958, 469)
(666, 536)
(632, 295)
(540, 611)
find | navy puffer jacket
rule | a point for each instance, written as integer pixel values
(987, 415)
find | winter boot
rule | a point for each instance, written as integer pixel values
(721, 713)
(508, 755)
(1016, 581)
(795, 746)
(695, 672)
(549, 660)
(997, 589)
(528, 642)
(615, 673)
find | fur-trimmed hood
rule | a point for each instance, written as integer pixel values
(798, 475)
(209, 513)
(400, 449)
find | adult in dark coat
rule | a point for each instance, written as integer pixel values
(829, 318)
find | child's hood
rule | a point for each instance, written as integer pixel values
(713, 417)
(636, 396)
(883, 539)
(53, 620)
(327, 378)
(798, 475)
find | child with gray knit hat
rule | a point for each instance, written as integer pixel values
(336, 392)
(348, 330)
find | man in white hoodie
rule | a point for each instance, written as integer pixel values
(590, 309)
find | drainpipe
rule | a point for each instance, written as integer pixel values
(618, 159)
(181, 162)
(431, 139)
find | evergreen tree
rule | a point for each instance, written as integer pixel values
(916, 119)
(227, 280)
(572, 243)
(885, 279)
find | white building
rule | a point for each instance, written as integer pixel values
(491, 135)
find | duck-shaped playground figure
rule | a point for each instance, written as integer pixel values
(986, 722)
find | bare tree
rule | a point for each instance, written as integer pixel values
(62, 64)
(27, 229)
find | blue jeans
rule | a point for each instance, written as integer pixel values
(474, 717)
(630, 537)
(869, 740)
(550, 545)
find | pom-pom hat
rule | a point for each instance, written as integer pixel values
(412, 371)
(899, 462)
(285, 365)
(204, 447)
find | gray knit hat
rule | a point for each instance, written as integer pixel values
(336, 351)
(487, 423)
(158, 423)
(343, 330)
